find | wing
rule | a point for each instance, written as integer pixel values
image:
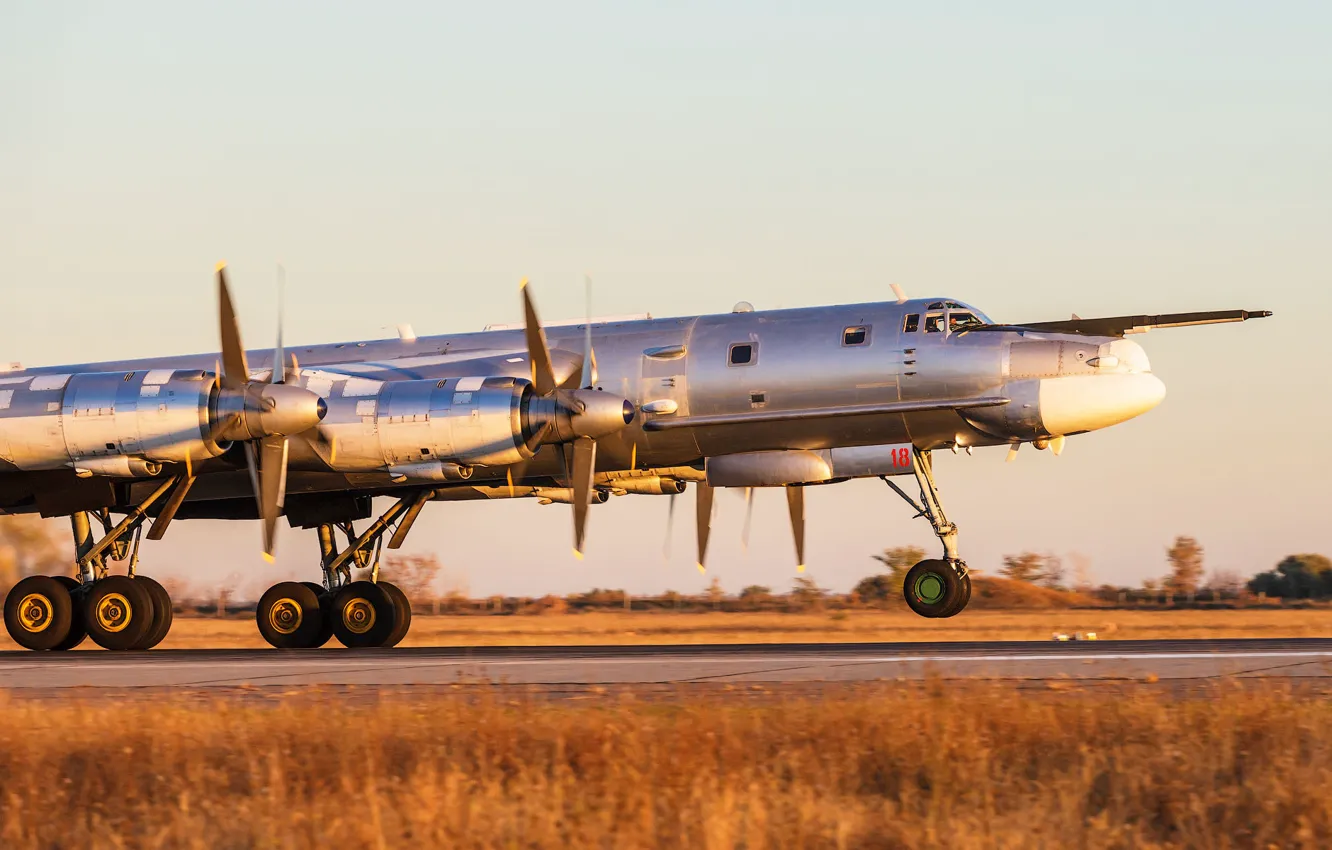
(1121, 325)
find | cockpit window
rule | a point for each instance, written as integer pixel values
(937, 305)
(933, 323)
(912, 323)
(958, 321)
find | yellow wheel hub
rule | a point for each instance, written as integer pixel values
(358, 615)
(35, 613)
(114, 613)
(285, 616)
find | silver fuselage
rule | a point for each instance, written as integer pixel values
(815, 378)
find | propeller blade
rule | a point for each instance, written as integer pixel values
(670, 523)
(538, 352)
(272, 487)
(703, 516)
(1057, 446)
(589, 364)
(235, 371)
(795, 503)
(279, 375)
(1012, 452)
(584, 466)
(749, 519)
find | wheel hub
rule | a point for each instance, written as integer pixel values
(113, 613)
(930, 588)
(35, 613)
(358, 615)
(285, 616)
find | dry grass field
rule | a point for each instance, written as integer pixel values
(876, 767)
(849, 626)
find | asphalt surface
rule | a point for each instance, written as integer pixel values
(1181, 660)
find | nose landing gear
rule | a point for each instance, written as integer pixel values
(937, 587)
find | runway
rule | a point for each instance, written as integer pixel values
(1309, 658)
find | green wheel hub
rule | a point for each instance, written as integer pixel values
(930, 588)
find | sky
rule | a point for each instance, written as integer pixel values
(410, 162)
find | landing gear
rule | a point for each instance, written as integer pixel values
(117, 612)
(361, 614)
(938, 587)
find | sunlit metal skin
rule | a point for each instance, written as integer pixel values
(568, 413)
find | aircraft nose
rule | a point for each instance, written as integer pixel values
(1073, 404)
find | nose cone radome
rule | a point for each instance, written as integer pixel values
(1079, 403)
(290, 409)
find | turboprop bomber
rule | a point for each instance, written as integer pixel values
(563, 413)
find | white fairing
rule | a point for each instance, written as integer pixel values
(1123, 388)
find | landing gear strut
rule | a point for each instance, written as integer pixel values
(365, 613)
(936, 587)
(116, 611)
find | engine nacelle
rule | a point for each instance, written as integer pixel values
(121, 424)
(429, 429)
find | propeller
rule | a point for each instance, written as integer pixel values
(260, 415)
(575, 418)
(670, 523)
(795, 503)
(749, 519)
(703, 516)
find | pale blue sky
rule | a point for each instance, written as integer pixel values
(410, 162)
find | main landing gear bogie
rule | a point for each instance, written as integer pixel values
(59, 612)
(363, 614)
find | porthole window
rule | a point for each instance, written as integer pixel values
(856, 335)
(742, 354)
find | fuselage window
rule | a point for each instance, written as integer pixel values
(742, 354)
(958, 321)
(858, 335)
(933, 323)
(912, 323)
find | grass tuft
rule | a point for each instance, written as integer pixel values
(930, 765)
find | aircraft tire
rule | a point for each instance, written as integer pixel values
(289, 616)
(962, 599)
(363, 615)
(402, 613)
(162, 613)
(39, 613)
(325, 603)
(118, 611)
(78, 629)
(932, 588)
